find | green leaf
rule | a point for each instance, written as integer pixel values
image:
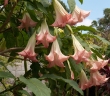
(70, 82)
(9, 38)
(36, 86)
(45, 3)
(13, 54)
(94, 46)
(76, 68)
(24, 92)
(5, 75)
(97, 53)
(71, 4)
(86, 28)
(83, 43)
(41, 8)
(81, 1)
(2, 64)
(32, 14)
(22, 39)
(103, 39)
(2, 17)
(68, 73)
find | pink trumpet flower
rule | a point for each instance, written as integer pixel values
(80, 54)
(26, 22)
(56, 57)
(5, 2)
(44, 35)
(97, 65)
(28, 52)
(83, 80)
(62, 16)
(78, 15)
(96, 78)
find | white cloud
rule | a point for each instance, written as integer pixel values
(86, 22)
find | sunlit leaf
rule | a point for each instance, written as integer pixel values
(103, 39)
(86, 28)
(71, 4)
(36, 86)
(76, 68)
(72, 83)
(81, 1)
(5, 75)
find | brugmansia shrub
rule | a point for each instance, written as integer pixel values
(64, 62)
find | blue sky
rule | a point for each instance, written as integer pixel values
(95, 6)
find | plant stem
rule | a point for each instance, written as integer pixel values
(17, 48)
(8, 18)
(25, 65)
(11, 88)
(96, 91)
(3, 84)
(87, 92)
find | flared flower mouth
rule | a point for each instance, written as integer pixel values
(56, 57)
(96, 65)
(80, 54)
(26, 22)
(28, 52)
(78, 15)
(44, 35)
(97, 79)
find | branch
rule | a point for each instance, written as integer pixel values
(10, 88)
(3, 84)
(8, 18)
(13, 57)
(6, 30)
(17, 48)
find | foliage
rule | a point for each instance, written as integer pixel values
(21, 22)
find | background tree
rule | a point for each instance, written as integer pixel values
(103, 24)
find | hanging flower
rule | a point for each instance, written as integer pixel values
(44, 35)
(28, 52)
(62, 16)
(83, 80)
(96, 65)
(80, 54)
(5, 2)
(26, 22)
(56, 57)
(78, 15)
(96, 78)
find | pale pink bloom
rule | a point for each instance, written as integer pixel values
(26, 22)
(56, 57)
(28, 52)
(78, 15)
(5, 2)
(83, 81)
(96, 78)
(97, 65)
(62, 16)
(44, 35)
(80, 54)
